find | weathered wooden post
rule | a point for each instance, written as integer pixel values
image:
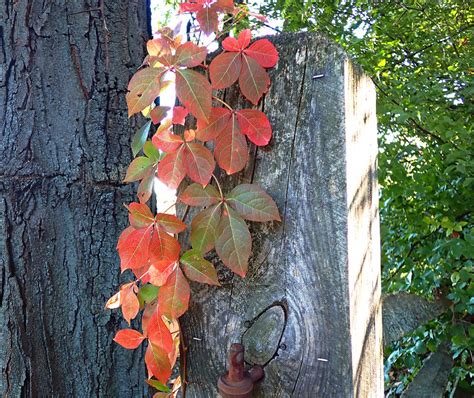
(309, 309)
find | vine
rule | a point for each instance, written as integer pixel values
(149, 246)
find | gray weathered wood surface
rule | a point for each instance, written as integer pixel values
(309, 309)
(64, 146)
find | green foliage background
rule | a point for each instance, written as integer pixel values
(419, 54)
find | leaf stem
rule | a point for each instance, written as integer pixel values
(218, 186)
(223, 103)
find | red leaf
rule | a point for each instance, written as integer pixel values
(218, 119)
(199, 269)
(171, 169)
(244, 38)
(204, 229)
(231, 149)
(133, 251)
(225, 6)
(189, 135)
(190, 7)
(123, 236)
(196, 195)
(163, 249)
(195, 92)
(253, 203)
(255, 125)
(157, 363)
(200, 163)
(158, 277)
(264, 52)
(254, 80)
(170, 223)
(158, 113)
(234, 243)
(179, 115)
(207, 19)
(129, 338)
(225, 69)
(173, 297)
(158, 47)
(138, 169)
(231, 44)
(142, 273)
(140, 215)
(130, 303)
(143, 88)
(158, 333)
(166, 141)
(190, 55)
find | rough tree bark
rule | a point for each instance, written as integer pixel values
(309, 308)
(64, 68)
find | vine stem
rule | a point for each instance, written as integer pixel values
(218, 186)
(223, 103)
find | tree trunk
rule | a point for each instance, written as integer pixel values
(309, 308)
(64, 68)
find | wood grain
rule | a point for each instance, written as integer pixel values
(321, 264)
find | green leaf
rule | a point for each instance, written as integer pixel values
(253, 203)
(140, 137)
(148, 293)
(204, 228)
(198, 268)
(152, 152)
(234, 243)
(138, 169)
(159, 386)
(195, 92)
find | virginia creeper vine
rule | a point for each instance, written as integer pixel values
(149, 246)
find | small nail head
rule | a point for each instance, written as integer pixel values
(318, 76)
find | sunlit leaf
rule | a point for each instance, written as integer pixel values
(170, 223)
(157, 363)
(264, 52)
(171, 169)
(225, 69)
(218, 120)
(190, 55)
(200, 163)
(143, 88)
(255, 125)
(140, 215)
(195, 92)
(254, 80)
(158, 333)
(138, 169)
(163, 249)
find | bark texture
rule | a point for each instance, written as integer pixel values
(64, 69)
(309, 308)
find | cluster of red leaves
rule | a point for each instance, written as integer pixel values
(149, 246)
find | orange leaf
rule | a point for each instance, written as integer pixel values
(157, 363)
(171, 169)
(133, 251)
(200, 163)
(170, 223)
(158, 333)
(140, 215)
(166, 141)
(195, 92)
(158, 277)
(138, 169)
(231, 149)
(218, 120)
(173, 297)
(144, 87)
(163, 249)
(179, 115)
(190, 55)
(129, 338)
(130, 303)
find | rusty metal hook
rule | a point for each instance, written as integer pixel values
(237, 382)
